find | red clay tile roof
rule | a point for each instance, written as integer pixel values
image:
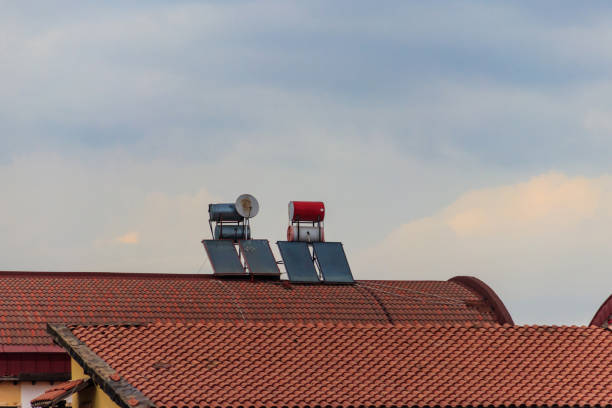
(344, 364)
(57, 393)
(603, 317)
(28, 300)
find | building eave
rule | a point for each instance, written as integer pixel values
(103, 375)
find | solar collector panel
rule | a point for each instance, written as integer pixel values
(298, 261)
(332, 262)
(259, 257)
(223, 257)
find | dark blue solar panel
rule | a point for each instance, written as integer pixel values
(298, 261)
(259, 257)
(223, 257)
(332, 262)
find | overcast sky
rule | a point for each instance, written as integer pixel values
(446, 138)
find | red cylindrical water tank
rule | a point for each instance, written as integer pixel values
(306, 234)
(306, 211)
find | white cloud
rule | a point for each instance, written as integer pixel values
(198, 72)
(103, 214)
(551, 202)
(129, 238)
(543, 245)
(108, 211)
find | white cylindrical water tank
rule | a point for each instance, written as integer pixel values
(306, 234)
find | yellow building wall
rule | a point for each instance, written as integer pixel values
(10, 394)
(91, 397)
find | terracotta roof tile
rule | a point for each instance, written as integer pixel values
(31, 299)
(346, 364)
(57, 392)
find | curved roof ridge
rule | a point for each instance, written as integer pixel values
(488, 295)
(603, 314)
